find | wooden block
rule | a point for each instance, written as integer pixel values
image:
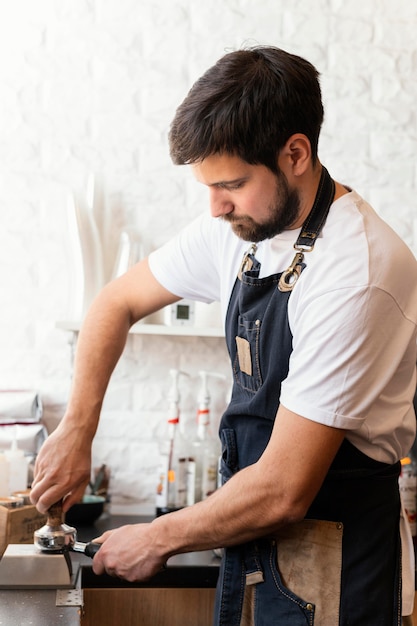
(18, 525)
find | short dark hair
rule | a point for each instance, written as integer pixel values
(248, 104)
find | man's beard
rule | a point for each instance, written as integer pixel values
(283, 213)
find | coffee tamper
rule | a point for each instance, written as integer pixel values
(55, 535)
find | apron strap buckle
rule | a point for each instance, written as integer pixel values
(247, 261)
(290, 276)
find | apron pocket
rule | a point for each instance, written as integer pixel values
(309, 562)
(246, 365)
(273, 609)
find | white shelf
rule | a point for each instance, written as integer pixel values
(155, 329)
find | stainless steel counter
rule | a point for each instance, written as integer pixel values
(38, 607)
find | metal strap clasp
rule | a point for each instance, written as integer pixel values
(247, 263)
(290, 276)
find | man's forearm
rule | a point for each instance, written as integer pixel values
(103, 336)
(276, 490)
(100, 345)
(101, 341)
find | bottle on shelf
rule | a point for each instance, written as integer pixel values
(186, 470)
(18, 468)
(4, 476)
(206, 446)
(168, 475)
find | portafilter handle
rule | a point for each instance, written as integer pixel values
(89, 549)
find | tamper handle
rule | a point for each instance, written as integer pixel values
(55, 514)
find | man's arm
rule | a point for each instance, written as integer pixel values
(64, 462)
(259, 499)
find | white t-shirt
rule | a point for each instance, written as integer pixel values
(352, 314)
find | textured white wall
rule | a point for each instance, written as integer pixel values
(91, 86)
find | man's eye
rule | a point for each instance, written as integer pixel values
(234, 187)
(230, 186)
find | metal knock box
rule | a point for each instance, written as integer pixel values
(18, 525)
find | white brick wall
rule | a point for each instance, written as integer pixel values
(92, 87)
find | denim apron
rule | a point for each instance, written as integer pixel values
(359, 499)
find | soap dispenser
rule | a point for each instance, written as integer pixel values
(4, 476)
(206, 445)
(18, 468)
(167, 484)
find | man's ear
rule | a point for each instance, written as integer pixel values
(295, 157)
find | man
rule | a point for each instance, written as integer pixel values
(321, 330)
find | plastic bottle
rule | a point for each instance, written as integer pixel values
(161, 501)
(18, 468)
(206, 446)
(4, 476)
(167, 483)
(408, 490)
(186, 470)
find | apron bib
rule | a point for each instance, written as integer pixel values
(341, 564)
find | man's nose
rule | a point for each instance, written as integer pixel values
(220, 203)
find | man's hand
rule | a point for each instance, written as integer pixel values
(129, 552)
(62, 469)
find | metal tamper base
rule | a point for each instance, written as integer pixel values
(22, 566)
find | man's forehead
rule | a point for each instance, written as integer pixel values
(221, 169)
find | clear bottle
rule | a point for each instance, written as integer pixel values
(210, 458)
(168, 475)
(186, 468)
(4, 476)
(408, 490)
(163, 503)
(206, 445)
(18, 468)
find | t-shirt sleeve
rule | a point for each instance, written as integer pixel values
(348, 346)
(186, 264)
